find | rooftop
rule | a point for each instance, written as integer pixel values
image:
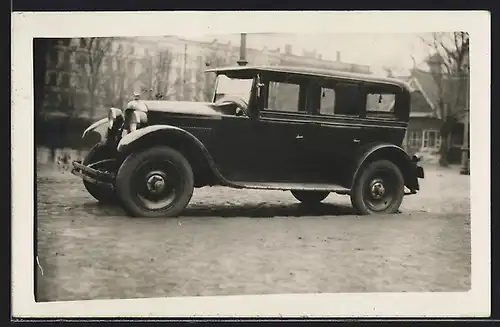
(310, 71)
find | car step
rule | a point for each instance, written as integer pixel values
(288, 186)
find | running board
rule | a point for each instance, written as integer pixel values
(287, 186)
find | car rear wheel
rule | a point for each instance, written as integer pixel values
(102, 194)
(310, 197)
(157, 182)
(379, 189)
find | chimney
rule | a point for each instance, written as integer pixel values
(243, 49)
(338, 56)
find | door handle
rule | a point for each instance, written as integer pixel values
(356, 141)
(299, 137)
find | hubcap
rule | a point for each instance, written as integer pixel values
(155, 183)
(377, 190)
(378, 194)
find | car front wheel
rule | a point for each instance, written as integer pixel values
(157, 182)
(102, 194)
(379, 189)
(310, 197)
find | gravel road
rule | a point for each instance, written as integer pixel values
(233, 242)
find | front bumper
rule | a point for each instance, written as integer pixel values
(419, 171)
(93, 176)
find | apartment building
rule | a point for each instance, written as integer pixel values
(159, 65)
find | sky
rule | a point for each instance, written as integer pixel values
(377, 50)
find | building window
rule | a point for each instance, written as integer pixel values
(415, 139)
(53, 58)
(431, 139)
(65, 100)
(52, 79)
(65, 80)
(67, 60)
(60, 59)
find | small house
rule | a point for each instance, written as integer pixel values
(423, 136)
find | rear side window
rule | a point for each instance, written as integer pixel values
(380, 102)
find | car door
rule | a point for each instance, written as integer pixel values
(256, 150)
(334, 136)
(286, 135)
(268, 148)
(237, 147)
(284, 117)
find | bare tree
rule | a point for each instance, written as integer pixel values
(200, 77)
(89, 62)
(449, 63)
(213, 59)
(156, 75)
(163, 87)
(120, 77)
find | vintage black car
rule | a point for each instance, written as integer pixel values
(308, 131)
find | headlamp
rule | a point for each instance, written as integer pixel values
(113, 114)
(134, 118)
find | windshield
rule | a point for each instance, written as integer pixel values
(238, 87)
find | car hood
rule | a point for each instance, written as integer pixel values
(182, 107)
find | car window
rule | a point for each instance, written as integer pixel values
(380, 102)
(236, 87)
(283, 96)
(327, 102)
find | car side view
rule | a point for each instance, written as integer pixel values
(308, 131)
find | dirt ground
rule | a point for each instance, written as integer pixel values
(233, 242)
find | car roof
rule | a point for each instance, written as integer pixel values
(316, 72)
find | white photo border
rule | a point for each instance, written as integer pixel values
(28, 25)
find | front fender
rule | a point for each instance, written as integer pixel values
(100, 126)
(169, 135)
(128, 140)
(392, 153)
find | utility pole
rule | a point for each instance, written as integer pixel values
(243, 50)
(465, 148)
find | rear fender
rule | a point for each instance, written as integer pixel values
(390, 152)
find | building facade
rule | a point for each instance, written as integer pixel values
(429, 103)
(84, 77)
